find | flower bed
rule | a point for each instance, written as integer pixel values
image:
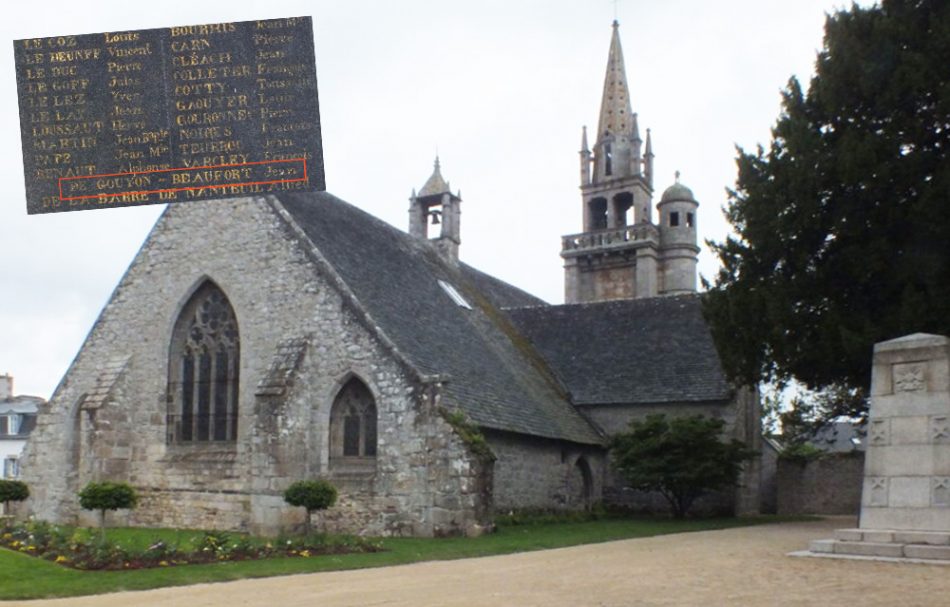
(81, 548)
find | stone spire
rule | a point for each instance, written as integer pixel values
(615, 112)
(435, 184)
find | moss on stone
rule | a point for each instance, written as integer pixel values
(469, 433)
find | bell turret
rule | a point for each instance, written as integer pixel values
(436, 205)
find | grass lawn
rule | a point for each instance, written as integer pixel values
(25, 577)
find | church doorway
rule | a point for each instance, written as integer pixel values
(580, 486)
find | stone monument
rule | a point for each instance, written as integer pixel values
(905, 502)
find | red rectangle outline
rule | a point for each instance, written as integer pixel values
(212, 166)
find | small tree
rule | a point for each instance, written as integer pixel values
(107, 496)
(12, 491)
(312, 495)
(681, 458)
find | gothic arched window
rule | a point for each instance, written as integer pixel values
(353, 425)
(203, 369)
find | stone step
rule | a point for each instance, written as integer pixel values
(849, 535)
(879, 549)
(919, 551)
(933, 538)
(869, 549)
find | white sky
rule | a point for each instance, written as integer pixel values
(500, 87)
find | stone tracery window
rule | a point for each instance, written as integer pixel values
(203, 369)
(353, 425)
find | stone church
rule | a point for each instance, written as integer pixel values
(258, 341)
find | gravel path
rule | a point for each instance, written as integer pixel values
(735, 567)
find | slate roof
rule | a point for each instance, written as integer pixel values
(656, 350)
(495, 376)
(839, 437)
(27, 407)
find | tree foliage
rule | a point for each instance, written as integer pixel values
(13, 491)
(843, 225)
(107, 496)
(682, 458)
(313, 495)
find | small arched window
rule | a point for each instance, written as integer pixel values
(353, 425)
(203, 369)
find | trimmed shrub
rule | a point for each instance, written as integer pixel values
(313, 495)
(12, 491)
(107, 496)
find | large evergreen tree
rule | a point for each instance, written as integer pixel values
(843, 224)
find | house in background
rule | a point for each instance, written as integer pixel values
(17, 420)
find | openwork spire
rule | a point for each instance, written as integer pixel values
(615, 114)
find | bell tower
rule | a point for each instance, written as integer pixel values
(436, 203)
(616, 255)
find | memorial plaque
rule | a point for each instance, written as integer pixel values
(169, 115)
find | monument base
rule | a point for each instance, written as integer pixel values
(885, 543)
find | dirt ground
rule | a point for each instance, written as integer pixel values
(736, 567)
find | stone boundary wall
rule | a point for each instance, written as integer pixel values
(830, 484)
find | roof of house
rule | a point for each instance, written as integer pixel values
(26, 407)
(494, 375)
(20, 404)
(655, 350)
(839, 437)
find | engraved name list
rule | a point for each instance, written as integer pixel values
(167, 115)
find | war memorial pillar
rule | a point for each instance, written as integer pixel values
(905, 502)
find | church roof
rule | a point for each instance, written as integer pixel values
(655, 350)
(494, 375)
(677, 191)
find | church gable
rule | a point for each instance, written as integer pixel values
(237, 347)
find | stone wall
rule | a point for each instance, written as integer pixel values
(603, 280)
(830, 484)
(107, 418)
(534, 473)
(739, 415)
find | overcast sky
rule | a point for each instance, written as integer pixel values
(500, 88)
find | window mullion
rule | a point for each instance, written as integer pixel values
(212, 393)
